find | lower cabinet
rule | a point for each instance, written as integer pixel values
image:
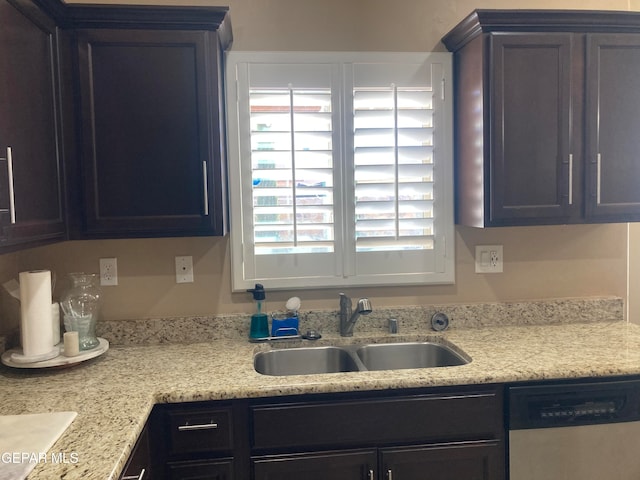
(481, 460)
(444, 434)
(463, 461)
(194, 441)
(350, 465)
(138, 466)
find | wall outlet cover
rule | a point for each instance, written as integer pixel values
(489, 259)
(109, 272)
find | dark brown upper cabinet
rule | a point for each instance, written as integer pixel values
(546, 117)
(151, 121)
(613, 127)
(31, 149)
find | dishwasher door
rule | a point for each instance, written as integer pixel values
(609, 451)
(575, 431)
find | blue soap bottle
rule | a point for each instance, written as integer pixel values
(259, 320)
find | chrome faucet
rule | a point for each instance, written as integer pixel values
(348, 318)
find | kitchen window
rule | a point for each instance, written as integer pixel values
(340, 168)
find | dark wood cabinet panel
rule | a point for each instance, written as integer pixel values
(201, 440)
(30, 127)
(151, 118)
(451, 433)
(376, 421)
(613, 126)
(530, 131)
(546, 117)
(194, 430)
(336, 465)
(139, 463)
(221, 469)
(113, 121)
(454, 433)
(463, 461)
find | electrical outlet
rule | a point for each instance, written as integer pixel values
(184, 269)
(108, 271)
(489, 259)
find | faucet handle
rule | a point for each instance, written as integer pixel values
(345, 301)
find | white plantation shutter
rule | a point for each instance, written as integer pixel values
(401, 146)
(341, 169)
(292, 170)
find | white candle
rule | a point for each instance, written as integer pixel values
(71, 344)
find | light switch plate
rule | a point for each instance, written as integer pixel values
(184, 269)
(489, 259)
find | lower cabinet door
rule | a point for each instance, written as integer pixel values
(482, 460)
(346, 465)
(139, 464)
(219, 469)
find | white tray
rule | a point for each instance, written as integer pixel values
(60, 360)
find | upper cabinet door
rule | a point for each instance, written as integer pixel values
(532, 170)
(31, 208)
(150, 133)
(613, 127)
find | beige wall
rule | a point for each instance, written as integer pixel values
(558, 261)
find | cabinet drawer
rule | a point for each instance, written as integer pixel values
(419, 418)
(200, 431)
(221, 469)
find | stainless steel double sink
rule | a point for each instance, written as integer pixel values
(356, 358)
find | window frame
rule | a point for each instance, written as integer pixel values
(347, 265)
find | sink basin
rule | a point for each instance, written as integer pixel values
(392, 356)
(354, 358)
(304, 361)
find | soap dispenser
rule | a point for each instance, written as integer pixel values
(259, 320)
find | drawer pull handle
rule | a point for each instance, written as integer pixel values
(12, 196)
(372, 475)
(135, 477)
(389, 475)
(571, 179)
(203, 426)
(206, 189)
(598, 177)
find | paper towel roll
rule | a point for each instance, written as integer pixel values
(35, 308)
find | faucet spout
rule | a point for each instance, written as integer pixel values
(348, 317)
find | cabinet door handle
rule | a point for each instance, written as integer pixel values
(598, 177)
(206, 188)
(371, 475)
(389, 475)
(571, 179)
(12, 197)
(203, 426)
(135, 477)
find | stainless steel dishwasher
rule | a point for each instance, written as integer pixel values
(575, 431)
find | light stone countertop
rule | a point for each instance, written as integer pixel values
(114, 393)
